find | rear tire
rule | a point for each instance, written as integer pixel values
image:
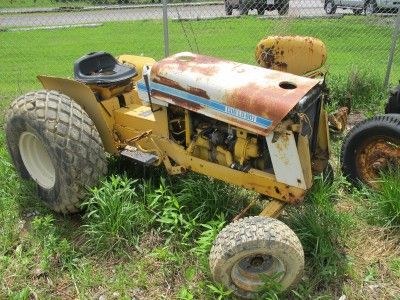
(52, 141)
(371, 147)
(256, 246)
(330, 7)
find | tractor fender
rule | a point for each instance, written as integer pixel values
(84, 96)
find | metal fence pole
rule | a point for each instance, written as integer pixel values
(392, 49)
(165, 23)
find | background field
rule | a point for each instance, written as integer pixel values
(161, 250)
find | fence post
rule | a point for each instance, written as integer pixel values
(165, 25)
(392, 49)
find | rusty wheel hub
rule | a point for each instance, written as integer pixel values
(249, 271)
(377, 155)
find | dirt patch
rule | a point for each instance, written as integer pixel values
(354, 118)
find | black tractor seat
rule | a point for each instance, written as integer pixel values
(101, 68)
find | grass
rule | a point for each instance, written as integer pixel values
(147, 235)
(384, 207)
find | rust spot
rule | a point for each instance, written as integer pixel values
(198, 92)
(281, 66)
(277, 190)
(168, 82)
(377, 154)
(268, 57)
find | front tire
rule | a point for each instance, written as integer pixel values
(52, 141)
(228, 8)
(370, 8)
(371, 147)
(261, 10)
(243, 9)
(330, 7)
(253, 247)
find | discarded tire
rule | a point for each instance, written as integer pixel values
(52, 141)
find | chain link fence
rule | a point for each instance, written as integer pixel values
(47, 36)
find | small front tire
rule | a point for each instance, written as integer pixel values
(228, 8)
(243, 9)
(247, 250)
(330, 7)
(370, 8)
(52, 141)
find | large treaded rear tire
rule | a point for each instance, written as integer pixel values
(265, 241)
(369, 147)
(64, 132)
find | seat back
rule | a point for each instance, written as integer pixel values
(299, 55)
(101, 68)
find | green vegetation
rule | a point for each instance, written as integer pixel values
(384, 204)
(147, 235)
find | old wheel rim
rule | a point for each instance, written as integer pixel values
(37, 160)
(377, 155)
(369, 10)
(329, 7)
(248, 273)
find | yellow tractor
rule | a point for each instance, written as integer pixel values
(256, 127)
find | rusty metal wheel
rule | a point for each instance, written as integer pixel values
(248, 250)
(371, 147)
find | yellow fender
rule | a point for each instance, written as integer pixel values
(299, 55)
(136, 61)
(84, 96)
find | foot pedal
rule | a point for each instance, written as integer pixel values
(136, 154)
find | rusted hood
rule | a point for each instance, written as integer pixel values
(243, 95)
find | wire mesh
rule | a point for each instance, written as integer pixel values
(47, 36)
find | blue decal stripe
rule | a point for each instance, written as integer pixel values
(225, 109)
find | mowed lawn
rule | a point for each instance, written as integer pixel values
(48, 256)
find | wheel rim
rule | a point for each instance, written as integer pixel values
(377, 155)
(369, 9)
(37, 160)
(329, 7)
(248, 273)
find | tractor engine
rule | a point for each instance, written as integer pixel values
(220, 142)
